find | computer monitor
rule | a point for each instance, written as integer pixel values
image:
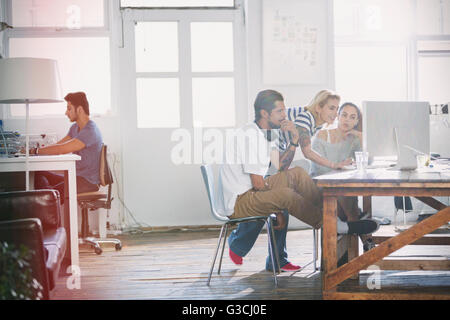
(396, 129)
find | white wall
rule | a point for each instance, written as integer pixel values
(298, 95)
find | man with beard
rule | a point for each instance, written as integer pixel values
(84, 139)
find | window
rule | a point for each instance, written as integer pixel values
(393, 50)
(433, 51)
(212, 51)
(158, 103)
(212, 46)
(71, 14)
(371, 73)
(156, 46)
(213, 102)
(433, 17)
(371, 49)
(433, 71)
(75, 34)
(434, 79)
(205, 69)
(176, 3)
(373, 19)
(83, 66)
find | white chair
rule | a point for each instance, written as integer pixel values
(208, 178)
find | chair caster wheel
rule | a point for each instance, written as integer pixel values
(118, 246)
(98, 250)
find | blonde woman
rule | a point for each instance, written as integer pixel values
(321, 111)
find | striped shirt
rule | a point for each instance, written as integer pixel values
(302, 118)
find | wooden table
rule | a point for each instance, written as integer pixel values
(422, 184)
(64, 163)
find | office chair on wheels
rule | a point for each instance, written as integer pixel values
(208, 178)
(96, 200)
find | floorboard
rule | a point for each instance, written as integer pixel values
(175, 265)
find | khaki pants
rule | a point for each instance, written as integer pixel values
(292, 190)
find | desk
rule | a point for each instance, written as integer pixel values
(379, 182)
(64, 163)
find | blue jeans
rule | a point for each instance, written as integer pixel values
(242, 239)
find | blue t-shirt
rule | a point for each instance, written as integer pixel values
(89, 165)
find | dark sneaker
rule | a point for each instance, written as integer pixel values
(362, 226)
(363, 215)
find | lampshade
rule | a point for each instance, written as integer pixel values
(29, 80)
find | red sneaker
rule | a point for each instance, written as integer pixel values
(235, 258)
(289, 267)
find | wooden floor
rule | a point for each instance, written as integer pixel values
(175, 265)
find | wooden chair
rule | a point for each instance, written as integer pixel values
(96, 200)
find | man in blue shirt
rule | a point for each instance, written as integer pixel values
(84, 139)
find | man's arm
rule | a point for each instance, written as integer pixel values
(67, 146)
(65, 139)
(287, 156)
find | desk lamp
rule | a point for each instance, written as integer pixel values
(27, 81)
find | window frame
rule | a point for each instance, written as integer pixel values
(411, 44)
(105, 31)
(185, 73)
(181, 7)
(445, 53)
(409, 60)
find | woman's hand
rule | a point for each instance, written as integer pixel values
(344, 163)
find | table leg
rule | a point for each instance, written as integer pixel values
(73, 216)
(329, 238)
(334, 277)
(367, 205)
(353, 252)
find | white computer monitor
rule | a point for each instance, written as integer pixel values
(394, 129)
